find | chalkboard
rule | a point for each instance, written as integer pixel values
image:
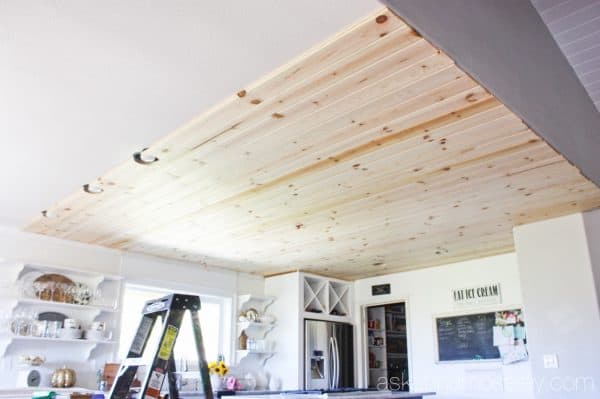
(466, 337)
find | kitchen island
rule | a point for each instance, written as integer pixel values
(318, 395)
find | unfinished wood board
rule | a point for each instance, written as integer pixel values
(369, 154)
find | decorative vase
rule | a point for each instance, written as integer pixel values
(216, 382)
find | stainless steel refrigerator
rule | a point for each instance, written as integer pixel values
(329, 355)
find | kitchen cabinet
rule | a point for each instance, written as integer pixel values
(302, 296)
(326, 298)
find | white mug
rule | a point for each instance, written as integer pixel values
(98, 326)
(72, 323)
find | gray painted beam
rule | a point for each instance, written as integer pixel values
(506, 46)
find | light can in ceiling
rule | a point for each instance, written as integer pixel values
(92, 189)
(143, 158)
(49, 214)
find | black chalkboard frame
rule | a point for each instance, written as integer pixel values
(486, 310)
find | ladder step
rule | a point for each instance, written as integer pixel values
(134, 361)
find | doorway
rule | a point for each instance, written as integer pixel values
(387, 347)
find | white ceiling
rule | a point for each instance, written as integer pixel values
(575, 25)
(83, 85)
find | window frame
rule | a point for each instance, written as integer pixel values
(225, 314)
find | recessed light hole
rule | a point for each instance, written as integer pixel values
(92, 189)
(144, 158)
(49, 214)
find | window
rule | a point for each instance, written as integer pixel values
(214, 317)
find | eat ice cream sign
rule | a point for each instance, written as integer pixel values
(481, 295)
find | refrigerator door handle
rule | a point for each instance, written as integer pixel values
(337, 363)
(332, 365)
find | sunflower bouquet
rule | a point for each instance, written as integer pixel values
(218, 368)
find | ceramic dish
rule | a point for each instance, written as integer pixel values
(69, 333)
(95, 335)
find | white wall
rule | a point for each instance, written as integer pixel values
(288, 335)
(560, 296)
(591, 221)
(135, 268)
(428, 294)
(17, 245)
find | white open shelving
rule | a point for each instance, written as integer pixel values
(70, 341)
(257, 330)
(59, 340)
(260, 303)
(58, 306)
(259, 357)
(18, 297)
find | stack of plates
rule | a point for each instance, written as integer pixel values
(94, 335)
(70, 333)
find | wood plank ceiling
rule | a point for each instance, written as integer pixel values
(368, 154)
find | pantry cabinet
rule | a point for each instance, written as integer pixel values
(387, 352)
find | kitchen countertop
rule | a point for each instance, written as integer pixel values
(349, 395)
(26, 393)
(335, 395)
(383, 395)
